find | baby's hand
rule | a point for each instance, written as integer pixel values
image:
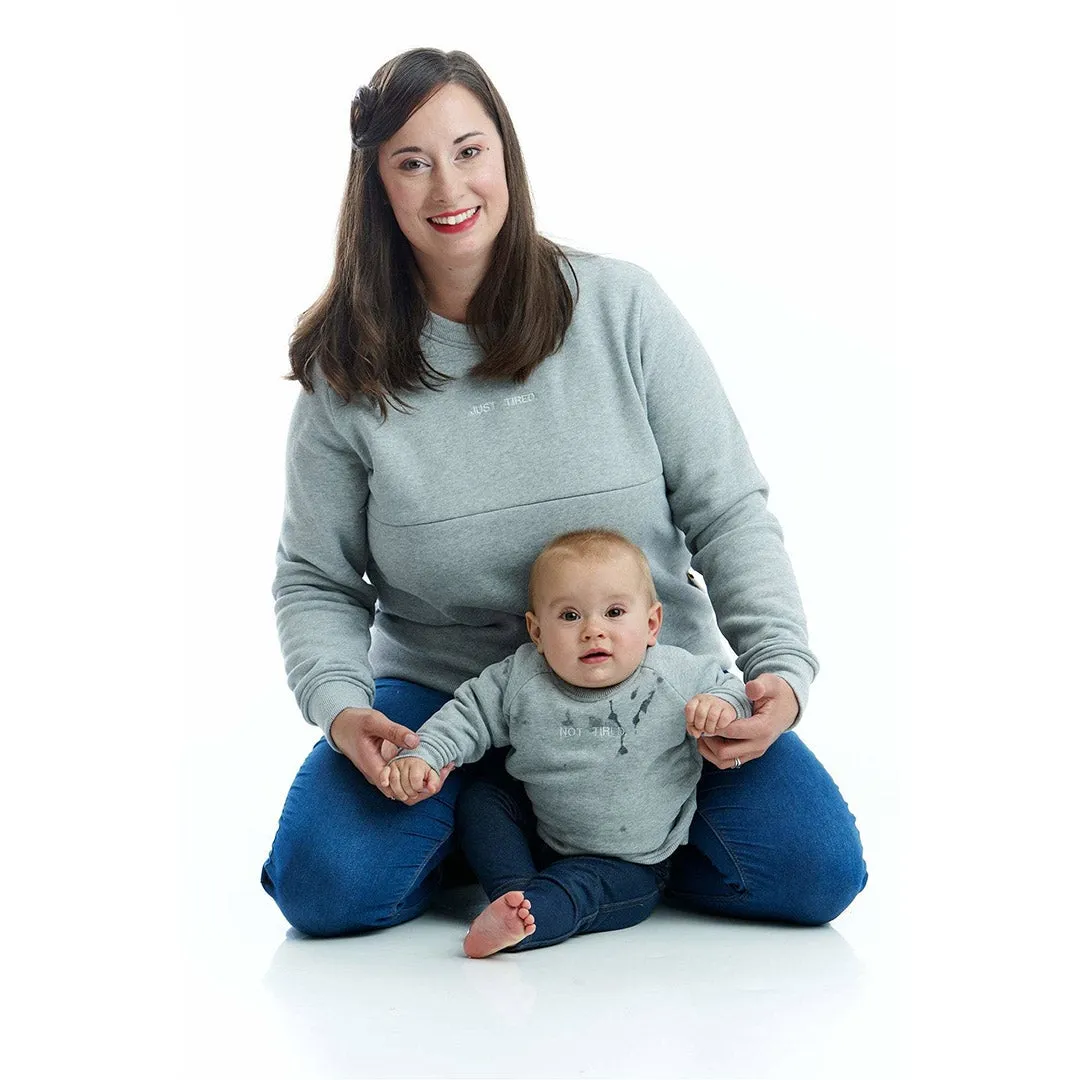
(409, 779)
(708, 715)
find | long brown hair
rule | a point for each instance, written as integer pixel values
(364, 330)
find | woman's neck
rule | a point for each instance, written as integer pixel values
(453, 308)
(448, 290)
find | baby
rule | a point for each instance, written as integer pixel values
(603, 765)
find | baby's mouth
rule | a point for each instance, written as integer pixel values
(595, 656)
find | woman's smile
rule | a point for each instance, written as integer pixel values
(457, 221)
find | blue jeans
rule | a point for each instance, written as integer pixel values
(579, 894)
(773, 840)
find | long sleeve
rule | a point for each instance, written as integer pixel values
(474, 722)
(323, 604)
(718, 499)
(730, 687)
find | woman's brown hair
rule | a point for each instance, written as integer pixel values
(364, 331)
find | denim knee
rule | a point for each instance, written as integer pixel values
(346, 859)
(312, 889)
(827, 880)
(327, 886)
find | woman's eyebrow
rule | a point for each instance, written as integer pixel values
(419, 150)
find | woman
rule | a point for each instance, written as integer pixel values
(470, 391)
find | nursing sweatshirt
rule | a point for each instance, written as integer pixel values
(609, 771)
(406, 542)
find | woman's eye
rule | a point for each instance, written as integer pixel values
(415, 164)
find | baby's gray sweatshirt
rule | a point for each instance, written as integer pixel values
(406, 542)
(609, 771)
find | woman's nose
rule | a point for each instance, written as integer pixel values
(444, 185)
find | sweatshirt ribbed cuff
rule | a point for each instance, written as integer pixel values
(795, 672)
(427, 755)
(329, 698)
(743, 705)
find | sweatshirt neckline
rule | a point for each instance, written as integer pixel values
(459, 335)
(447, 332)
(601, 693)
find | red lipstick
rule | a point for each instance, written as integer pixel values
(461, 226)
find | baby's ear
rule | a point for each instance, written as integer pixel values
(532, 624)
(656, 617)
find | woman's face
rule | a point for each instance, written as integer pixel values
(447, 160)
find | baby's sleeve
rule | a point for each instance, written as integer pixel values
(469, 725)
(728, 686)
(706, 675)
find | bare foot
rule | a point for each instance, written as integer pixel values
(504, 922)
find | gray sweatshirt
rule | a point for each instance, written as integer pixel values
(609, 771)
(406, 543)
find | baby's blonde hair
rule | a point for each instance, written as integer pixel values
(594, 544)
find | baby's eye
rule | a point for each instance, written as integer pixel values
(615, 612)
(569, 616)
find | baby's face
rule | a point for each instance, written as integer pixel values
(593, 619)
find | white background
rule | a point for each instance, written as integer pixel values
(870, 220)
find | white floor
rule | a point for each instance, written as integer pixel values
(679, 996)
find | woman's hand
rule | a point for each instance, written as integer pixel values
(775, 709)
(360, 734)
(369, 739)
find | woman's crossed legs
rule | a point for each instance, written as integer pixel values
(773, 840)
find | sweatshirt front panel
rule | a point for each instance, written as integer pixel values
(406, 544)
(615, 775)
(495, 446)
(555, 454)
(498, 449)
(609, 771)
